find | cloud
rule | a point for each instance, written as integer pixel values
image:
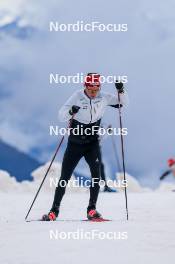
(144, 53)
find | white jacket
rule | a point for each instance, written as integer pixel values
(91, 110)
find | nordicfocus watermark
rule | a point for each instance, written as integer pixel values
(55, 78)
(80, 26)
(81, 182)
(81, 234)
(88, 131)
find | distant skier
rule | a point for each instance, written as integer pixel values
(171, 164)
(103, 174)
(87, 108)
(103, 177)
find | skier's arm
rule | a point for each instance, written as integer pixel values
(123, 97)
(114, 102)
(65, 111)
(165, 174)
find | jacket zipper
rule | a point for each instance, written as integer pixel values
(91, 110)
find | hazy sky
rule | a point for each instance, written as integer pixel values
(145, 53)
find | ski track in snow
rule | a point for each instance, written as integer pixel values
(150, 229)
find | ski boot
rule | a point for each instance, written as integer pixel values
(51, 216)
(93, 214)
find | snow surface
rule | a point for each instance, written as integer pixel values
(150, 228)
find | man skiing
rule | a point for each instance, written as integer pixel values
(85, 108)
(171, 164)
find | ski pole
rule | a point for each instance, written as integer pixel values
(123, 154)
(70, 123)
(166, 173)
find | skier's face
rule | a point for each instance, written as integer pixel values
(92, 91)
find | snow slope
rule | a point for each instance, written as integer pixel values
(150, 230)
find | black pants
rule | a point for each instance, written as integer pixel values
(74, 152)
(103, 177)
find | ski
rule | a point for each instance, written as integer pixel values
(72, 220)
(97, 220)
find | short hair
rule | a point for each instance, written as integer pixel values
(92, 73)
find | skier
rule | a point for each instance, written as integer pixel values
(87, 108)
(171, 164)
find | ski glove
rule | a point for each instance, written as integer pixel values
(74, 110)
(119, 86)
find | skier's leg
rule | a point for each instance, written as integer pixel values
(93, 158)
(71, 158)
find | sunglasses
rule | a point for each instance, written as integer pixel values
(93, 85)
